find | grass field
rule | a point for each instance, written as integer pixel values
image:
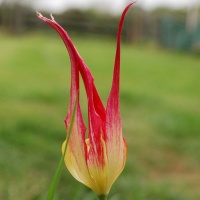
(160, 107)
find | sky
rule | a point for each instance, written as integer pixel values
(110, 5)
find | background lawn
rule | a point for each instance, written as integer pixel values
(160, 107)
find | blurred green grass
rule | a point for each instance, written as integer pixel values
(160, 95)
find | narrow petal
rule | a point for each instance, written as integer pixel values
(77, 157)
(96, 110)
(76, 154)
(116, 145)
(113, 104)
(99, 172)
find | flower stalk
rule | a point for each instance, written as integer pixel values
(54, 183)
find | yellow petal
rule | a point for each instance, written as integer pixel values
(98, 172)
(75, 160)
(116, 153)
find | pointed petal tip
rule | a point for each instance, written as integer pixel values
(52, 17)
(39, 14)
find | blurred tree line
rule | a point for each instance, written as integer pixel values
(178, 29)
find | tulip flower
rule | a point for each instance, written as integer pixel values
(98, 160)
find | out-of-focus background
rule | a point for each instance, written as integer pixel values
(160, 95)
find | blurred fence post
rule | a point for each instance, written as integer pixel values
(12, 17)
(134, 25)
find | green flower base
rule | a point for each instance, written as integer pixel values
(102, 197)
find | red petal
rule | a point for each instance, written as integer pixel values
(96, 110)
(113, 104)
(116, 146)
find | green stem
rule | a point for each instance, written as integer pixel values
(102, 197)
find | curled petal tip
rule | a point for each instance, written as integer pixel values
(38, 14)
(52, 17)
